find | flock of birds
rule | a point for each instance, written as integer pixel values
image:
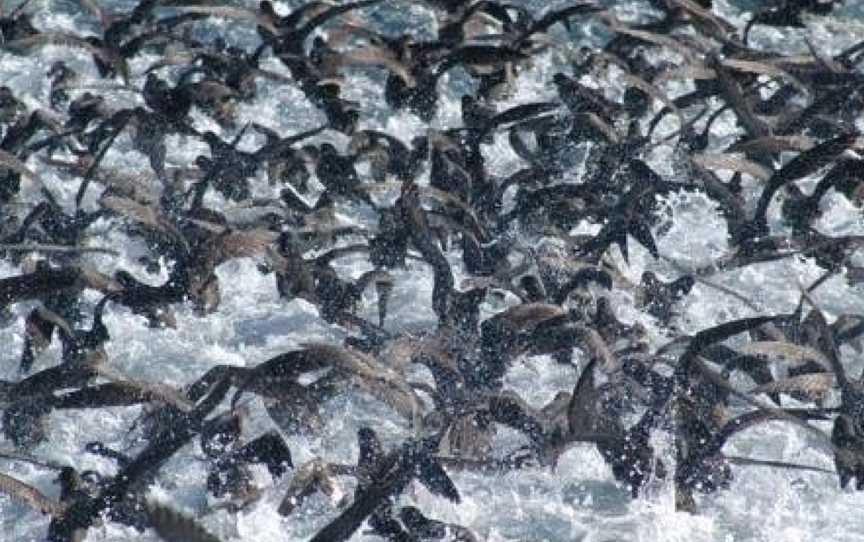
(436, 205)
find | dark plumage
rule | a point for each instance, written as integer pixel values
(360, 210)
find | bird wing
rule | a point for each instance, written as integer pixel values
(231, 12)
(29, 495)
(12, 162)
(815, 385)
(172, 526)
(792, 354)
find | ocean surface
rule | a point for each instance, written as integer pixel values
(579, 500)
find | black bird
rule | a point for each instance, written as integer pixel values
(336, 172)
(658, 297)
(390, 476)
